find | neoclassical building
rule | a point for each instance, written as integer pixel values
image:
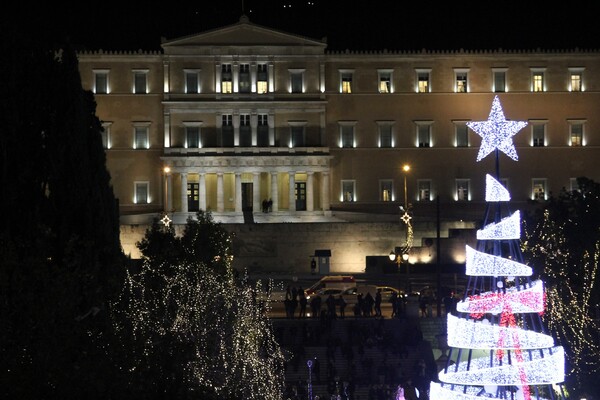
(230, 118)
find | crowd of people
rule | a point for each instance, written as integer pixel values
(375, 353)
(297, 305)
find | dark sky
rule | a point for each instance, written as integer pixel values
(355, 24)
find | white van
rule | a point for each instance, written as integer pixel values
(341, 282)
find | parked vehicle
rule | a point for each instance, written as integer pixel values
(341, 282)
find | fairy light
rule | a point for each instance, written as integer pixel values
(507, 228)
(204, 326)
(494, 191)
(570, 303)
(542, 367)
(497, 132)
(472, 334)
(518, 358)
(524, 300)
(482, 264)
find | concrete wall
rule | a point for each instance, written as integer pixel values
(287, 248)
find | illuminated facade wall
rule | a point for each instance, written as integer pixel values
(244, 113)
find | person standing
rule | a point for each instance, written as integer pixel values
(394, 302)
(330, 307)
(378, 303)
(342, 303)
(287, 302)
(302, 301)
(410, 392)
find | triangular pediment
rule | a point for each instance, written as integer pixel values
(243, 34)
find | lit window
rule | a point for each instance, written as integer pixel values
(296, 81)
(348, 190)
(423, 81)
(385, 134)
(424, 186)
(539, 189)
(538, 133)
(262, 79)
(462, 190)
(499, 80)
(461, 80)
(226, 79)
(262, 131)
(244, 79)
(101, 81)
(227, 134)
(385, 190)
(141, 140)
(576, 133)
(462, 134)
(537, 80)
(573, 185)
(423, 133)
(106, 135)
(192, 81)
(192, 137)
(347, 134)
(576, 79)
(141, 192)
(245, 131)
(346, 81)
(385, 81)
(140, 82)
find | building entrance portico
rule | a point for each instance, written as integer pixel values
(233, 185)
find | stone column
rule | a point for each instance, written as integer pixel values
(236, 129)
(220, 193)
(325, 202)
(169, 188)
(292, 194)
(202, 192)
(271, 121)
(274, 192)
(309, 191)
(256, 202)
(254, 127)
(238, 192)
(183, 194)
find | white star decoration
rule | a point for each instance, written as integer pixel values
(497, 132)
(166, 221)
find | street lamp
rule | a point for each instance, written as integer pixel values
(405, 168)
(167, 170)
(400, 255)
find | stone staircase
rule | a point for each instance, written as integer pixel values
(363, 353)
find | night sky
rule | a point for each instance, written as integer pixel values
(354, 24)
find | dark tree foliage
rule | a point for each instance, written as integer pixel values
(203, 241)
(59, 238)
(563, 245)
(193, 329)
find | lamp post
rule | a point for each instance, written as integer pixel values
(400, 255)
(405, 168)
(167, 170)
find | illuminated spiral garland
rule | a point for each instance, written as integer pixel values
(498, 347)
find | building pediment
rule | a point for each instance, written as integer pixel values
(243, 35)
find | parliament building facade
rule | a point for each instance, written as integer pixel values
(236, 118)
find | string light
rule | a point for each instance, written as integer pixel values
(483, 264)
(494, 191)
(518, 358)
(507, 228)
(497, 132)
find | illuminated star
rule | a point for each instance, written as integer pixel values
(497, 132)
(166, 220)
(405, 217)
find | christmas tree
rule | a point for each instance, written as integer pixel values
(499, 347)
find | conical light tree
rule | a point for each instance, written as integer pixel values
(498, 345)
